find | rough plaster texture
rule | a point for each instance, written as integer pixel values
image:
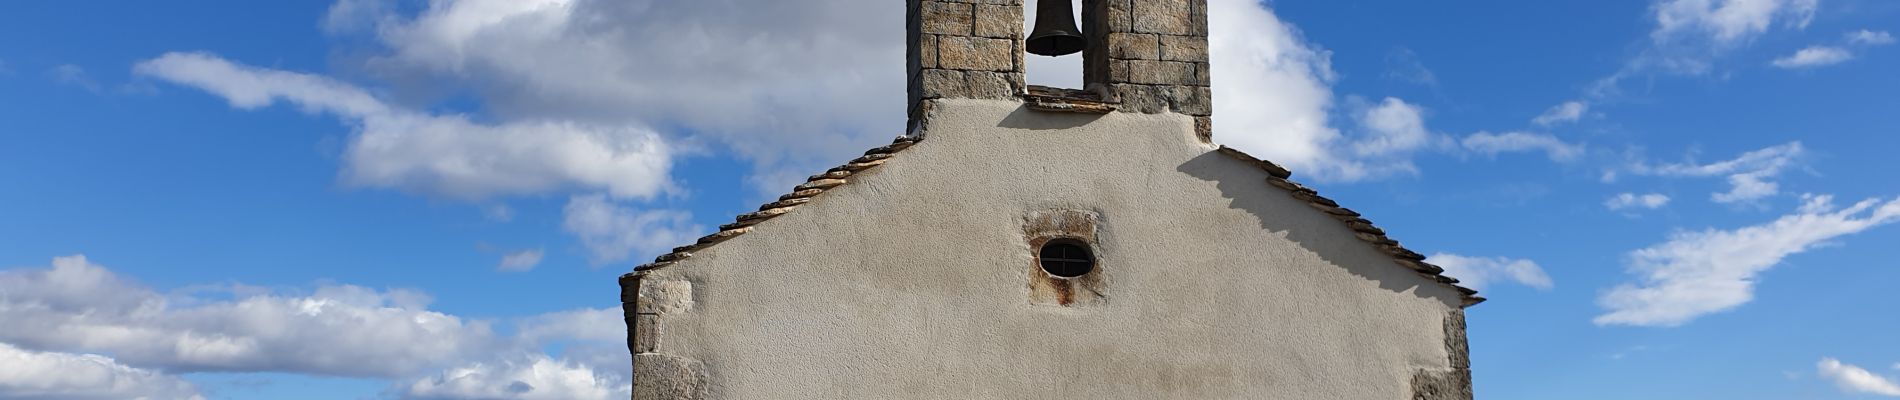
(911, 281)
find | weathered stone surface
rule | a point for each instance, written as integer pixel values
(1163, 16)
(830, 175)
(945, 18)
(646, 333)
(785, 203)
(1441, 385)
(765, 214)
(927, 51)
(821, 184)
(1203, 74)
(1134, 46)
(938, 83)
(975, 54)
(800, 194)
(629, 289)
(664, 296)
(999, 21)
(1455, 342)
(1120, 15)
(1060, 104)
(1192, 100)
(860, 166)
(724, 235)
(1197, 10)
(871, 157)
(1183, 48)
(1143, 98)
(667, 377)
(1149, 72)
(990, 85)
(1204, 128)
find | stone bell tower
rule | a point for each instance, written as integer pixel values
(1143, 56)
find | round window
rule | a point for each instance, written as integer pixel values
(1066, 258)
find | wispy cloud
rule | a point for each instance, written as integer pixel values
(1496, 143)
(1825, 55)
(1869, 38)
(1702, 272)
(520, 261)
(1403, 64)
(1750, 175)
(1480, 272)
(1631, 200)
(1569, 111)
(612, 232)
(1727, 22)
(447, 155)
(76, 76)
(1853, 379)
(1814, 56)
(1690, 36)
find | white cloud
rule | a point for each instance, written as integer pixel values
(1853, 379)
(1392, 127)
(76, 306)
(1276, 101)
(520, 261)
(1727, 22)
(82, 307)
(1814, 56)
(794, 85)
(613, 233)
(1276, 91)
(586, 324)
(1870, 38)
(1569, 111)
(36, 375)
(1691, 35)
(1493, 144)
(709, 68)
(1699, 273)
(1749, 175)
(449, 155)
(535, 378)
(1478, 272)
(1628, 200)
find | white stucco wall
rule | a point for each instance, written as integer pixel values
(911, 282)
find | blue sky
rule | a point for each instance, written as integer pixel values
(355, 199)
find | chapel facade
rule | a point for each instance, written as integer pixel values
(1023, 242)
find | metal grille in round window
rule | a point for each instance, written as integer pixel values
(1066, 258)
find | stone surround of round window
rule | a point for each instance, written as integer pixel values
(1066, 258)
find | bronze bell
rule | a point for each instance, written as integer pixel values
(1056, 34)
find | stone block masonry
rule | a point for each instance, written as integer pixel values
(1155, 56)
(965, 49)
(1148, 55)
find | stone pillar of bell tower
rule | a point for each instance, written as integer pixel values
(965, 49)
(1151, 55)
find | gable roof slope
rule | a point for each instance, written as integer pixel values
(1277, 176)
